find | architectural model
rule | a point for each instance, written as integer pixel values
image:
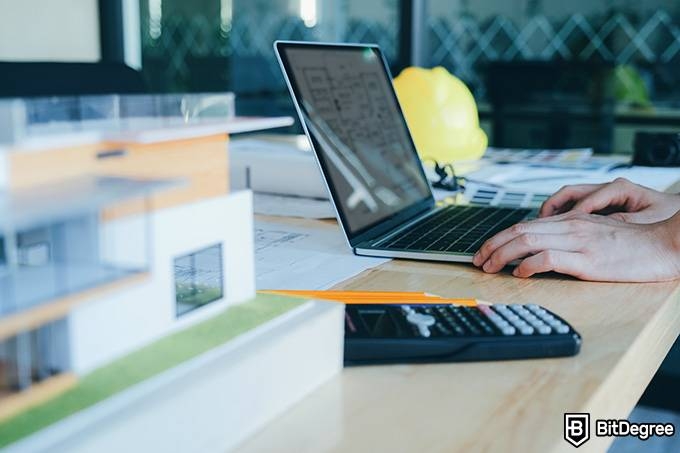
(115, 230)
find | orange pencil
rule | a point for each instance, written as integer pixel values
(372, 297)
(356, 295)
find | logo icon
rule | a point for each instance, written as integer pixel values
(576, 428)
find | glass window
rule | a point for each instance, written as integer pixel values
(465, 36)
(218, 45)
(3, 254)
(199, 279)
(553, 74)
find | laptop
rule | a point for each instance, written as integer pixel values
(348, 108)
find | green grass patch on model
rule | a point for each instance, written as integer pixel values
(145, 363)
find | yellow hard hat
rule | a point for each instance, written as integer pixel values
(441, 114)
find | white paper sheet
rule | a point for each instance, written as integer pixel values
(481, 195)
(282, 206)
(538, 157)
(548, 180)
(295, 257)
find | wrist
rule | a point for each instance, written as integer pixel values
(670, 235)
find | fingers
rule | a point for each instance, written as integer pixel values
(551, 225)
(564, 262)
(564, 198)
(615, 194)
(529, 244)
(629, 217)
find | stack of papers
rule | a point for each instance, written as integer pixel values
(550, 180)
(538, 157)
(484, 195)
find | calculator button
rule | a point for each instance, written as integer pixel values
(407, 310)
(562, 328)
(548, 318)
(420, 319)
(523, 312)
(508, 330)
(499, 321)
(533, 320)
(442, 329)
(485, 309)
(543, 329)
(503, 310)
(453, 324)
(490, 314)
(523, 327)
(540, 312)
(466, 317)
(421, 322)
(502, 325)
(494, 317)
(526, 330)
(473, 329)
(556, 323)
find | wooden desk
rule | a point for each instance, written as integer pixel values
(512, 406)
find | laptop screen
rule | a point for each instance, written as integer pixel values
(351, 113)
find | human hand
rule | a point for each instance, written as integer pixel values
(621, 199)
(587, 246)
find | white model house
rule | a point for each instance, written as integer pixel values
(113, 232)
(120, 239)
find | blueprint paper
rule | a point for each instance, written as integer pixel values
(296, 257)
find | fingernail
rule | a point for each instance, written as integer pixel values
(486, 266)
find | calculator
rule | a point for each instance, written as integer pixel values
(381, 334)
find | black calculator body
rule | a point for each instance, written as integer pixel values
(382, 334)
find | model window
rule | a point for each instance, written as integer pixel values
(3, 259)
(198, 279)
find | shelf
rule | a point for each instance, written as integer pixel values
(51, 203)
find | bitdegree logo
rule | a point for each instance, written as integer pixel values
(577, 429)
(623, 428)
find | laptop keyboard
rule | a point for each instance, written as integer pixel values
(455, 229)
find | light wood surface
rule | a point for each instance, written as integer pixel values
(37, 167)
(510, 406)
(14, 403)
(201, 163)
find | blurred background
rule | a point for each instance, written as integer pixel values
(545, 73)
